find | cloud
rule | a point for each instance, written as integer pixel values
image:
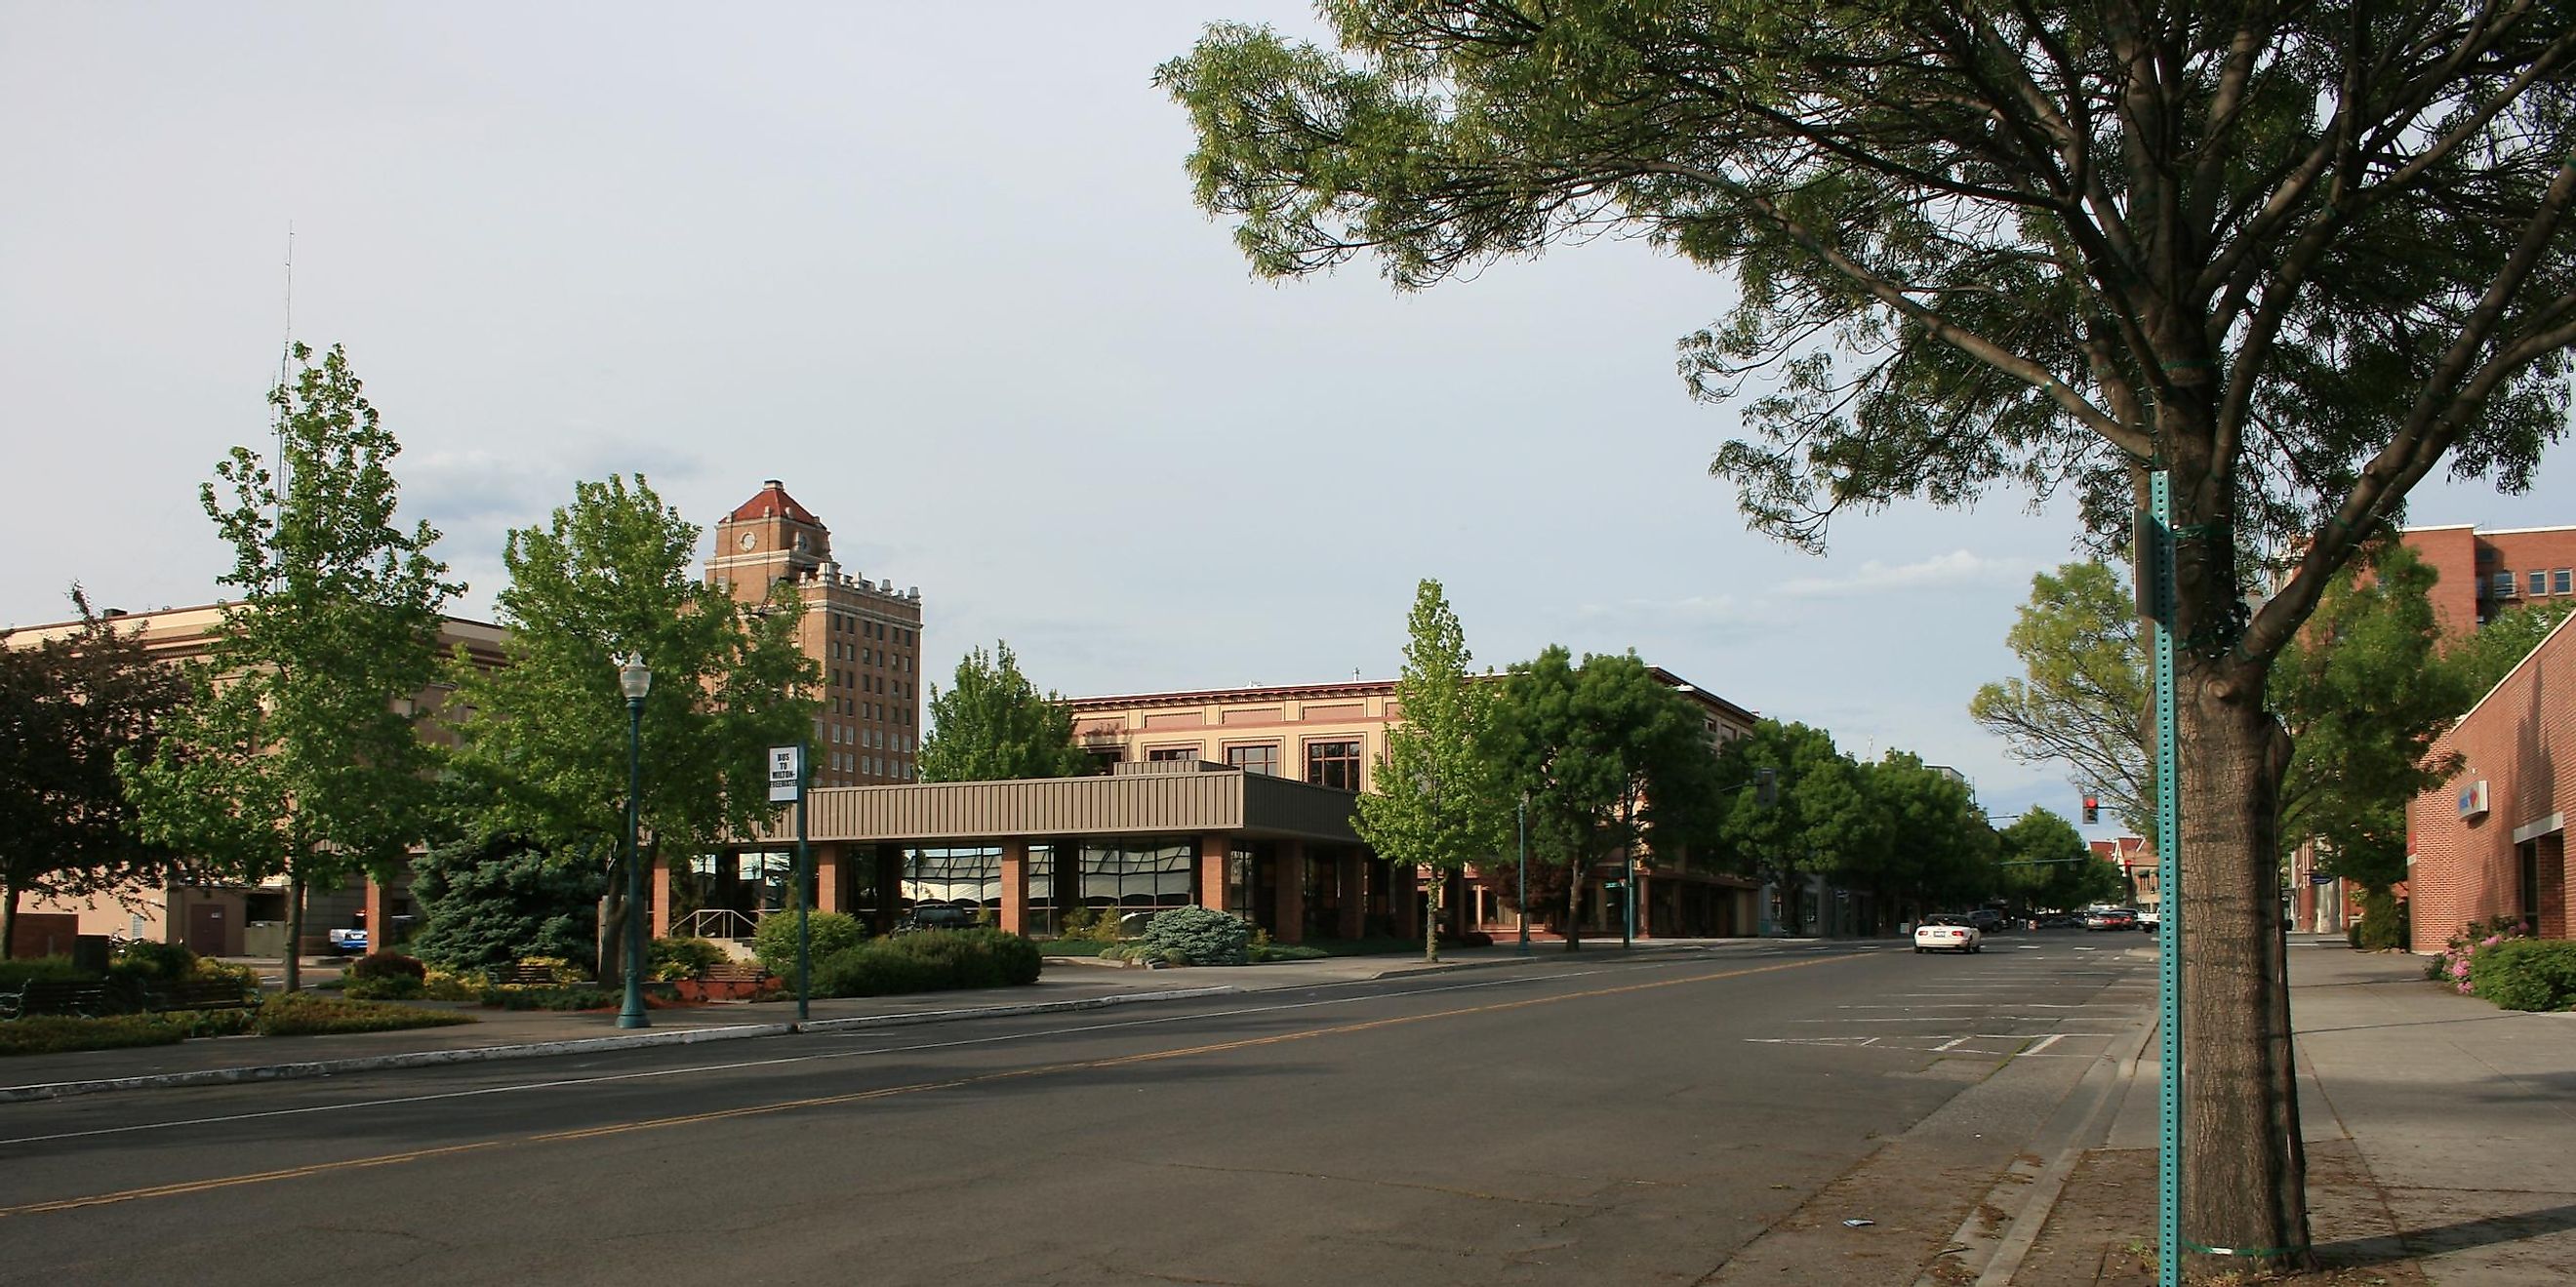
(1941, 571)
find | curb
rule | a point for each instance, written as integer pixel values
(1452, 967)
(581, 1046)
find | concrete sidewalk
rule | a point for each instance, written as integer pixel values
(1068, 984)
(2440, 1132)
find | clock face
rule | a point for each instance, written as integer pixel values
(749, 539)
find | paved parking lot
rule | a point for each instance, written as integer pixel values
(2050, 995)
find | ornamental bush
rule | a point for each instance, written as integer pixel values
(301, 1014)
(387, 965)
(41, 1034)
(1202, 935)
(2383, 923)
(670, 960)
(156, 960)
(2525, 974)
(930, 961)
(385, 987)
(775, 941)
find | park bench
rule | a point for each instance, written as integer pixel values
(514, 976)
(200, 994)
(55, 996)
(732, 972)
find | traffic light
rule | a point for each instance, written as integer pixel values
(2092, 808)
(1766, 786)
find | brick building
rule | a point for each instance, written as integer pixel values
(2492, 842)
(2485, 572)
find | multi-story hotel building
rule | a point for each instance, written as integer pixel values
(865, 635)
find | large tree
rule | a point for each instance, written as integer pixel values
(1440, 803)
(2083, 690)
(541, 755)
(2048, 867)
(2482, 660)
(992, 724)
(1932, 845)
(1608, 758)
(70, 703)
(1815, 812)
(2294, 257)
(298, 755)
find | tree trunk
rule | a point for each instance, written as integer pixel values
(1431, 887)
(612, 933)
(2244, 1172)
(294, 962)
(1574, 906)
(9, 923)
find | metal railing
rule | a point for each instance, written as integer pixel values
(717, 922)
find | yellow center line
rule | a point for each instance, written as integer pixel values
(886, 1092)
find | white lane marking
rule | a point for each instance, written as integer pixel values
(1954, 1041)
(2044, 1043)
(1971, 1005)
(739, 1065)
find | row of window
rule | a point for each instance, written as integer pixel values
(2539, 580)
(848, 623)
(1334, 764)
(874, 765)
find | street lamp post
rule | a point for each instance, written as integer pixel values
(636, 679)
(1520, 818)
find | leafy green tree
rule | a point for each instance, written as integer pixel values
(541, 750)
(1439, 803)
(2480, 661)
(2084, 690)
(1609, 759)
(297, 754)
(1819, 812)
(69, 705)
(993, 725)
(2296, 256)
(495, 900)
(1932, 845)
(2046, 866)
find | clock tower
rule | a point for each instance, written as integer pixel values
(765, 540)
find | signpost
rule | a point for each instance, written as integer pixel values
(2154, 551)
(787, 783)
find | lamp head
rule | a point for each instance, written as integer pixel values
(634, 676)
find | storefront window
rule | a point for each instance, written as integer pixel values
(1133, 879)
(969, 877)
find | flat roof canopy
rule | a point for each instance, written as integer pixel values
(1155, 798)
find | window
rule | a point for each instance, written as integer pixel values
(1334, 764)
(1173, 753)
(2539, 583)
(2504, 585)
(2563, 581)
(1255, 759)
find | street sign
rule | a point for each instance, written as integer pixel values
(2321, 878)
(786, 773)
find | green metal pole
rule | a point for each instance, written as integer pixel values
(804, 887)
(2157, 561)
(631, 1014)
(1520, 819)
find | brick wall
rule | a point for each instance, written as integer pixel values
(2521, 742)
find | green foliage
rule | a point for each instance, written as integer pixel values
(385, 987)
(1098, 925)
(387, 965)
(2083, 688)
(1199, 935)
(2048, 866)
(1822, 812)
(1266, 952)
(155, 960)
(46, 1034)
(1439, 800)
(2383, 924)
(774, 943)
(1933, 846)
(553, 998)
(543, 747)
(934, 960)
(1607, 757)
(1063, 946)
(494, 900)
(2482, 660)
(297, 753)
(992, 724)
(70, 705)
(16, 974)
(303, 1014)
(672, 959)
(2526, 974)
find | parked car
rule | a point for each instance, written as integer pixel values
(2150, 920)
(349, 942)
(1986, 919)
(2062, 920)
(2111, 918)
(1948, 934)
(930, 916)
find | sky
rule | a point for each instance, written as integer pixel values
(938, 268)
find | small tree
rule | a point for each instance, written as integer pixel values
(542, 747)
(69, 706)
(992, 725)
(493, 900)
(297, 754)
(2083, 691)
(1439, 803)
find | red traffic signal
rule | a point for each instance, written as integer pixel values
(2092, 808)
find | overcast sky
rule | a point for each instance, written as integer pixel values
(938, 268)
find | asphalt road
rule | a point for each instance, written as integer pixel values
(1610, 1121)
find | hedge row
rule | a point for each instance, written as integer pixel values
(2526, 974)
(300, 1015)
(930, 961)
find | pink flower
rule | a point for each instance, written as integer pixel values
(2459, 969)
(2464, 987)
(2492, 940)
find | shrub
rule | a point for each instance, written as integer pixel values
(495, 899)
(775, 941)
(2382, 925)
(385, 987)
(443, 986)
(212, 970)
(1286, 952)
(563, 969)
(2525, 973)
(157, 960)
(386, 965)
(15, 975)
(1091, 925)
(672, 959)
(1202, 935)
(2451, 967)
(551, 998)
(50, 1033)
(930, 961)
(1074, 947)
(303, 1014)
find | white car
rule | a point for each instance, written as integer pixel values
(1948, 934)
